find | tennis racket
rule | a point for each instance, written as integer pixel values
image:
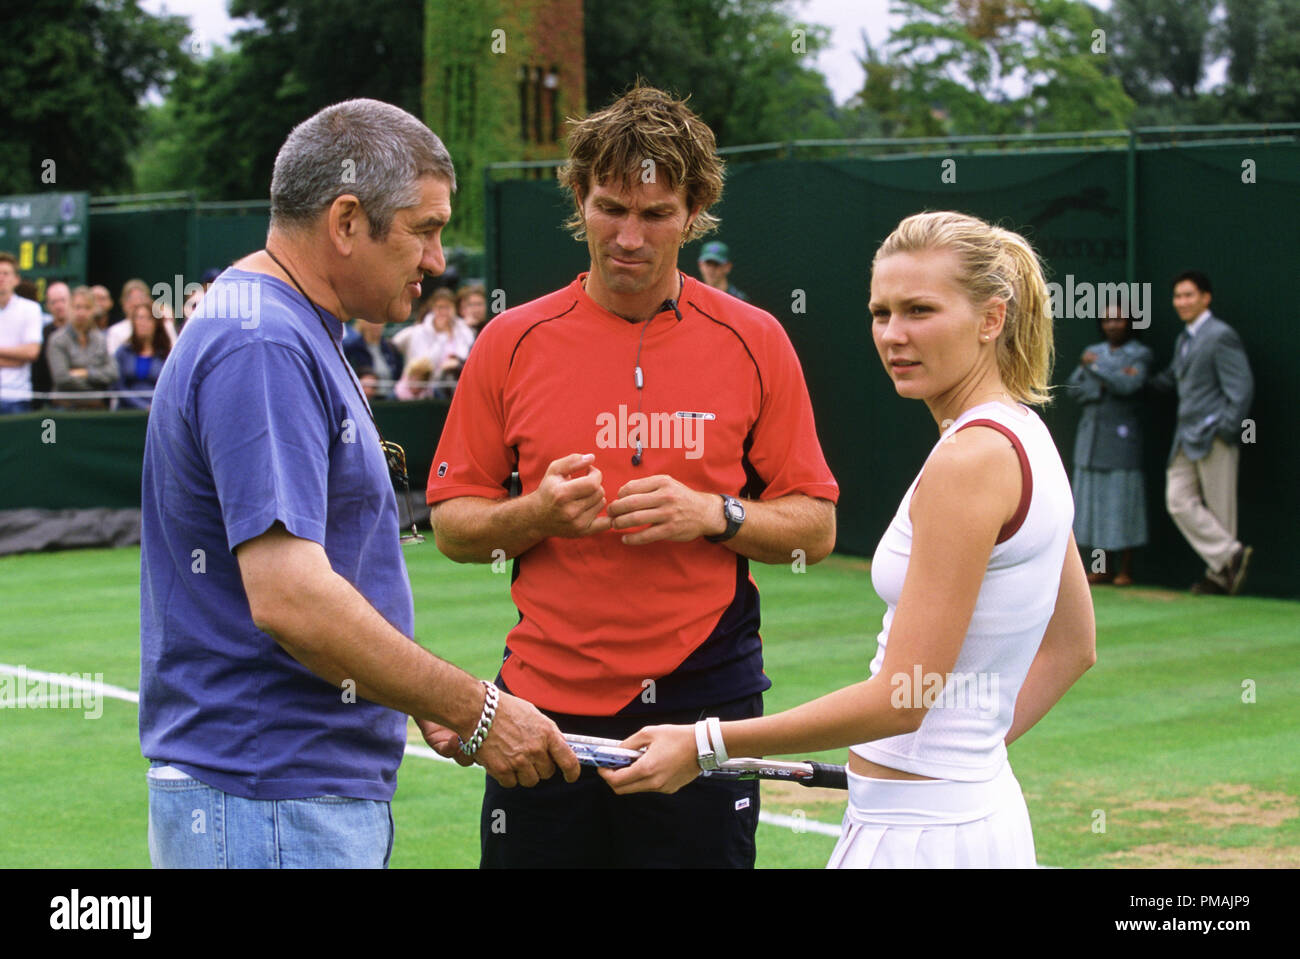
(607, 753)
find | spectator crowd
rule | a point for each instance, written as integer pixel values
(79, 349)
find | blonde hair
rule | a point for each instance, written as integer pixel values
(995, 264)
(644, 124)
(465, 292)
(130, 286)
(419, 370)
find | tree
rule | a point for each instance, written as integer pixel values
(989, 67)
(954, 62)
(1261, 39)
(1159, 50)
(1160, 47)
(1163, 48)
(878, 109)
(73, 75)
(743, 63)
(228, 115)
(209, 138)
(1065, 68)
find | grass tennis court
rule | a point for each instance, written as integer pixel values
(1155, 745)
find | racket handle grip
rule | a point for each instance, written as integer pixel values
(827, 776)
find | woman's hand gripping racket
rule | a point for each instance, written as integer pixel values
(608, 754)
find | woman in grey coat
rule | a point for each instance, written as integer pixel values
(1110, 510)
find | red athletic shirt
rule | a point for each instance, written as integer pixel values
(598, 619)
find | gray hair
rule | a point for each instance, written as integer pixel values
(373, 150)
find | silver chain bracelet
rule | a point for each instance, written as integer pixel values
(484, 720)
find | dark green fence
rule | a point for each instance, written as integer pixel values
(803, 228)
(53, 459)
(159, 237)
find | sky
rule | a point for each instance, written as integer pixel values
(846, 18)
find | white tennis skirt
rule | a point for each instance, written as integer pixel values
(935, 824)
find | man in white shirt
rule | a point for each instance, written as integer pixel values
(20, 340)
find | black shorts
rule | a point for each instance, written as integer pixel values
(708, 823)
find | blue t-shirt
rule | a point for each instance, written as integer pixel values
(257, 419)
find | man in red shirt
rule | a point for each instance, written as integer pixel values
(663, 437)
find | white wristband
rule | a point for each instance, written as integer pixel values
(708, 762)
(715, 737)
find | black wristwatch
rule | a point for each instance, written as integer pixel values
(734, 513)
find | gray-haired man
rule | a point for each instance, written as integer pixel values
(277, 667)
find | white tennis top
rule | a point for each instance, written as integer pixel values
(961, 737)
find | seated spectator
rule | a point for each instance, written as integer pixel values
(371, 384)
(471, 304)
(195, 298)
(415, 383)
(442, 337)
(374, 358)
(131, 289)
(58, 304)
(1110, 512)
(79, 357)
(103, 306)
(450, 279)
(133, 292)
(140, 359)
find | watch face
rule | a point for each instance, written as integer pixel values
(735, 512)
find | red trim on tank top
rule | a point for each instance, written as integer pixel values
(1010, 527)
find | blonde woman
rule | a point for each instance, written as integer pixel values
(989, 617)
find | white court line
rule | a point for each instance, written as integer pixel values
(412, 749)
(799, 824)
(424, 752)
(72, 682)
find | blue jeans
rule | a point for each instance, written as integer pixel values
(194, 826)
(15, 406)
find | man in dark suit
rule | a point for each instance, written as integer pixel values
(1215, 388)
